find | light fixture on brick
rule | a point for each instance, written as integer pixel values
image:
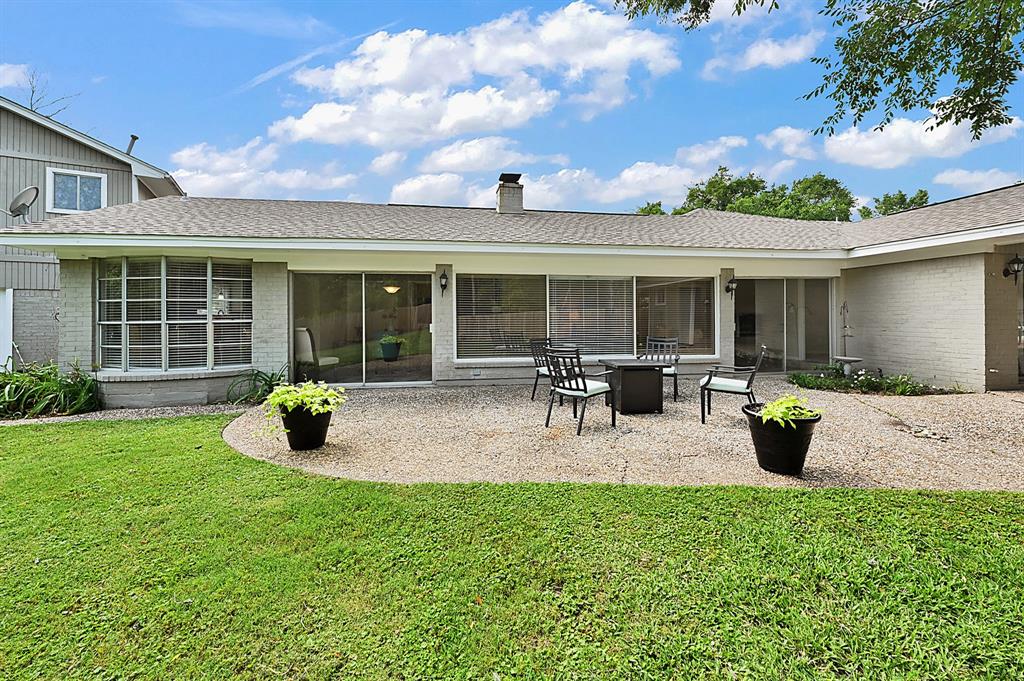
(1014, 268)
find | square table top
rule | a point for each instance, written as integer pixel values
(631, 363)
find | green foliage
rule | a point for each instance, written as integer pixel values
(317, 398)
(896, 55)
(831, 378)
(816, 197)
(721, 191)
(896, 202)
(392, 339)
(151, 550)
(651, 208)
(254, 386)
(42, 390)
(785, 410)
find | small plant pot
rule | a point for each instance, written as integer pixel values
(304, 429)
(389, 351)
(780, 449)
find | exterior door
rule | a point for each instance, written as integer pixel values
(398, 339)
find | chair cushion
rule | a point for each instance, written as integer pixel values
(725, 385)
(668, 371)
(543, 371)
(329, 361)
(593, 388)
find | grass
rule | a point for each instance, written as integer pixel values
(150, 550)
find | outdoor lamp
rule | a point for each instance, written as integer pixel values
(730, 286)
(1014, 267)
(443, 281)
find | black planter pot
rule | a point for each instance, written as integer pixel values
(389, 351)
(305, 430)
(780, 449)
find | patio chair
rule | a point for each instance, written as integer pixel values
(538, 347)
(306, 354)
(714, 383)
(569, 380)
(664, 351)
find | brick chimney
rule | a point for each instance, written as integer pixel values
(510, 194)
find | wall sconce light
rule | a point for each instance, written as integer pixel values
(443, 281)
(730, 287)
(392, 289)
(1014, 267)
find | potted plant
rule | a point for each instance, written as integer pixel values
(782, 432)
(390, 346)
(305, 410)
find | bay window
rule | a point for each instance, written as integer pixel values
(161, 313)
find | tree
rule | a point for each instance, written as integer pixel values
(894, 203)
(897, 54)
(39, 99)
(720, 191)
(816, 197)
(651, 208)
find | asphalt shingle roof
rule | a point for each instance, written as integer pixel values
(272, 219)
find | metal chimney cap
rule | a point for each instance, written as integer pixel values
(509, 178)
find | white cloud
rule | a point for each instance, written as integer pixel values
(793, 142)
(482, 153)
(972, 181)
(14, 75)
(431, 189)
(414, 87)
(775, 171)
(724, 12)
(247, 171)
(903, 141)
(765, 52)
(710, 152)
(568, 187)
(387, 163)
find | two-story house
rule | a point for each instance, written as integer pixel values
(74, 173)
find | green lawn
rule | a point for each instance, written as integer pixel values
(151, 550)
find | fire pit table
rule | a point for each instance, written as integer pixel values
(637, 385)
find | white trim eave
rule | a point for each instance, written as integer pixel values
(50, 241)
(1012, 229)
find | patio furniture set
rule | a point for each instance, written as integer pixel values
(630, 386)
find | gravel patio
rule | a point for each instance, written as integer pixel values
(496, 434)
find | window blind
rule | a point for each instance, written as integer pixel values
(677, 307)
(174, 313)
(498, 314)
(593, 313)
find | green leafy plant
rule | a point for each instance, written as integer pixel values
(392, 339)
(317, 398)
(42, 390)
(255, 385)
(786, 409)
(831, 378)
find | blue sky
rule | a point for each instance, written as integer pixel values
(427, 102)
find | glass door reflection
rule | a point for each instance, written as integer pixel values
(328, 330)
(398, 316)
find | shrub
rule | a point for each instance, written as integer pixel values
(42, 390)
(831, 378)
(318, 398)
(785, 409)
(254, 386)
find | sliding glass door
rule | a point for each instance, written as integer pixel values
(355, 328)
(788, 316)
(397, 327)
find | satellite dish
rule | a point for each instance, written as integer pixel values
(22, 202)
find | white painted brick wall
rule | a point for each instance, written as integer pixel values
(925, 317)
(75, 315)
(35, 324)
(270, 315)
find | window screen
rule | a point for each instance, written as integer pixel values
(498, 314)
(677, 307)
(595, 314)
